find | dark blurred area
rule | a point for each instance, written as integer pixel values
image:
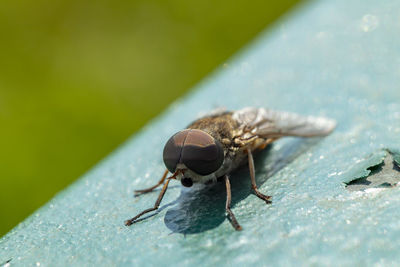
(77, 78)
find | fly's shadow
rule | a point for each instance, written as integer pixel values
(203, 208)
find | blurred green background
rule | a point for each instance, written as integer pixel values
(77, 78)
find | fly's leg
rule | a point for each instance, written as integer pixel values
(147, 190)
(232, 217)
(156, 205)
(253, 179)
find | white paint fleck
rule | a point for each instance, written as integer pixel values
(332, 174)
(369, 23)
(373, 191)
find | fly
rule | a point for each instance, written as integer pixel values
(214, 146)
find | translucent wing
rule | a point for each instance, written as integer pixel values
(268, 123)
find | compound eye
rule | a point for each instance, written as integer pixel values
(173, 150)
(201, 153)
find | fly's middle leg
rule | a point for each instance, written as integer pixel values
(231, 217)
(266, 198)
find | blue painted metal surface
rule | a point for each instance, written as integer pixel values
(340, 59)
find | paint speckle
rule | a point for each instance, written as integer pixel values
(369, 23)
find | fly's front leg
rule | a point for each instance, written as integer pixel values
(232, 217)
(147, 190)
(253, 179)
(156, 205)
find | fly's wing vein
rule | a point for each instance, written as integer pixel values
(267, 123)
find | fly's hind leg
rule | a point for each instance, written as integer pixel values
(232, 217)
(147, 190)
(266, 198)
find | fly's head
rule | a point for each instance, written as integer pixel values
(194, 153)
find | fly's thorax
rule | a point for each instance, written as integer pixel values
(222, 127)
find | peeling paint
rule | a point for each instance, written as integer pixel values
(383, 173)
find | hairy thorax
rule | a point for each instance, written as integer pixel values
(224, 128)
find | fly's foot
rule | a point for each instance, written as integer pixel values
(266, 198)
(268, 201)
(137, 193)
(129, 222)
